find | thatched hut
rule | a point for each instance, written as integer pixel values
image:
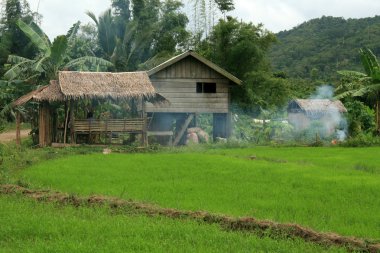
(301, 112)
(72, 87)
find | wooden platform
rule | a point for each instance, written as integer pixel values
(112, 125)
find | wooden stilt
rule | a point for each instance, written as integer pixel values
(18, 124)
(183, 129)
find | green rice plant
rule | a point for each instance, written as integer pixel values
(316, 187)
(29, 226)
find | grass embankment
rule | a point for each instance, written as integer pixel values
(29, 226)
(327, 189)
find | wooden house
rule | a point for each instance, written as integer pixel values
(168, 99)
(301, 112)
(193, 85)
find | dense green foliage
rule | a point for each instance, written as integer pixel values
(334, 189)
(241, 49)
(320, 47)
(133, 32)
(363, 85)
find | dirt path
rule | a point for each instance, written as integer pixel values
(11, 135)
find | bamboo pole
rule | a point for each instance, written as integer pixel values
(18, 123)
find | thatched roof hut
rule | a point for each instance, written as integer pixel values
(301, 113)
(79, 85)
(315, 107)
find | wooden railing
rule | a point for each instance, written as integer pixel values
(112, 125)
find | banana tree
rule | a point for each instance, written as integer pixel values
(51, 57)
(366, 85)
(25, 74)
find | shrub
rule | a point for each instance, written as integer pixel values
(361, 118)
(362, 140)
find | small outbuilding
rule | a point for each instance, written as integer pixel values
(301, 112)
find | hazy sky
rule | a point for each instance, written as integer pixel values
(276, 15)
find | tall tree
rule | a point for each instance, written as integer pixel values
(12, 39)
(26, 73)
(151, 28)
(365, 85)
(241, 49)
(52, 57)
(171, 30)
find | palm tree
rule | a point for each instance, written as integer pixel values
(366, 85)
(51, 57)
(25, 74)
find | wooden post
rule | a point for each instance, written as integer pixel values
(66, 122)
(144, 132)
(18, 123)
(72, 119)
(42, 126)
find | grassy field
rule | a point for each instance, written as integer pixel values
(28, 226)
(327, 189)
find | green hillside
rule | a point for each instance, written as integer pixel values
(318, 48)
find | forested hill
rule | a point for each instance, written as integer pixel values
(318, 48)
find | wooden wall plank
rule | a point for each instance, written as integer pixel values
(199, 100)
(194, 95)
(187, 110)
(187, 90)
(189, 80)
(193, 105)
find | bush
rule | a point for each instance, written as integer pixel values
(362, 140)
(361, 118)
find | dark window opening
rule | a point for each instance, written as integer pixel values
(206, 87)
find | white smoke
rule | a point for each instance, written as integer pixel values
(323, 92)
(326, 120)
(334, 121)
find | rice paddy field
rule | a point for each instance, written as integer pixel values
(326, 189)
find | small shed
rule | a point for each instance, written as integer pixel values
(193, 85)
(301, 112)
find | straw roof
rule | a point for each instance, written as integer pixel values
(51, 93)
(76, 85)
(27, 97)
(311, 106)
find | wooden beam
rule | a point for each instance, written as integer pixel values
(183, 129)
